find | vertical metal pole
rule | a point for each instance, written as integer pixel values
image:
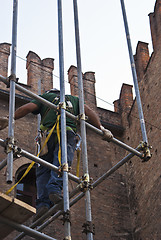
(39, 116)
(39, 93)
(63, 121)
(82, 121)
(138, 99)
(12, 93)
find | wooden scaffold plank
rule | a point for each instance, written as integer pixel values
(14, 210)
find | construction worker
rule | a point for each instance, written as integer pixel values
(49, 183)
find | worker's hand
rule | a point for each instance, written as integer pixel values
(107, 135)
(3, 122)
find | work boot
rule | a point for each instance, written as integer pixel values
(55, 197)
(40, 212)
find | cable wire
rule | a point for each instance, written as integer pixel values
(119, 108)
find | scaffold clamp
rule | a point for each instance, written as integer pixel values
(89, 227)
(9, 142)
(66, 217)
(64, 167)
(82, 116)
(12, 77)
(146, 151)
(10, 145)
(67, 238)
(62, 105)
(85, 183)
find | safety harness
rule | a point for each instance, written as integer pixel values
(43, 128)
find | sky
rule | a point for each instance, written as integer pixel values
(102, 39)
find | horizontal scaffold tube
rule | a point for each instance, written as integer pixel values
(95, 184)
(3, 163)
(116, 141)
(51, 105)
(35, 96)
(49, 213)
(77, 198)
(112, 170)
(42, 162)
(59, 213)
(27, 230)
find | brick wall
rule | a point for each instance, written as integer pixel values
(110, 205)
(141, 59)
(144, 179)
(88, 79)
(155, 25)
(126, 205)
(4, 54)
(25, 132)
(39, 71)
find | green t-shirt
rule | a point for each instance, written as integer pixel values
(49, 116)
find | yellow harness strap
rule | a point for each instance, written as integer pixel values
(32, 163)
(58, 135)
(25, 173)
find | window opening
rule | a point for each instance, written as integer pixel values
(26, 189)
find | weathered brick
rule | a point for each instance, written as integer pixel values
(126, 205)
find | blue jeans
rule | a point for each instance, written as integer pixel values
(49, 181)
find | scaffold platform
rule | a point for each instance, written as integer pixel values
(14, 210)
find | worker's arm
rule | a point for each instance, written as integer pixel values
(20, 112)
(25, 109)
(92, 117)
(95, 121)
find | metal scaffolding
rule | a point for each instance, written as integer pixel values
(63, 207)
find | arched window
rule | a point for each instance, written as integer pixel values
(26, 189)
